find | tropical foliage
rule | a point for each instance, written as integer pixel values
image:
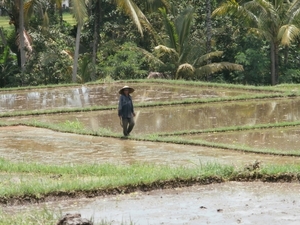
(275, 21)
(249, 42)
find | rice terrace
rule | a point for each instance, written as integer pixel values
(200, 153)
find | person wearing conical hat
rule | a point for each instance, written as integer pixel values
(126, 110)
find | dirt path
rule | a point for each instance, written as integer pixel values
(227, 203)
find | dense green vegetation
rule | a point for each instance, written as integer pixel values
(188, 40)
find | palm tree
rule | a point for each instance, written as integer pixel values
(273, 20)
(208, 26)
(80, 12)
(21, 35)
(133, 11)
(177, 47)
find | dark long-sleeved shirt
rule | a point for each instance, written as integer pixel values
(125, 108)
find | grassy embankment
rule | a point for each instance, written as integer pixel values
(30, 182)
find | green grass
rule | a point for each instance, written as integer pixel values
(31, 179)
(68, 17)
(42, 217)
(4, 23)
(21, 180)
(29, 218)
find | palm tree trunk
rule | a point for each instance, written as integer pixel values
(76, 54)
(2, 37)
(96, 37)
(273, 64)
(208, 33)
(21, 36)
(208, 26)
(61, 16)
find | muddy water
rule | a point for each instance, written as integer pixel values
(227, 203)
(185, 117)
(21, 143)
(283, 139)
(105, 94)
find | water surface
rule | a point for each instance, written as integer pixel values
(29, 144)
(184, 117)
(283, 139)
(103, 95)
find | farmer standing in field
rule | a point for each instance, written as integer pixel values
(125, 110)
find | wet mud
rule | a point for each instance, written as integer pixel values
(225, 203)
(29, 144)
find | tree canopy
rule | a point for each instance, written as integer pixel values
(257, 42)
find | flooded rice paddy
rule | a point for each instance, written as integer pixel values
(184, 117)
(103, 95)
(279, 139)
(21, 143)
(229, 203)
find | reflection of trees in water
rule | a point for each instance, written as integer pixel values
(287, 139)
(204, 116)
(188, 117)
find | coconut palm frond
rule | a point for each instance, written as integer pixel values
(288, 33)
(228, 7)
(130, 9)
(150, 28)
(27, 41)
(150, 57)
(204, 58)
(79, 11)
(217, 67)
(233, 8)
(28, 9)
(170, 29)
(185, 71)
(58, 3)
(152, 5)
(183, 24)
(294, 11)
(162, 50)
(68, 54)
(45, 22)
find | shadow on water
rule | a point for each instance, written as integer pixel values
(101, 95)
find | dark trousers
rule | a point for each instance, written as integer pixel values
(128, 124)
